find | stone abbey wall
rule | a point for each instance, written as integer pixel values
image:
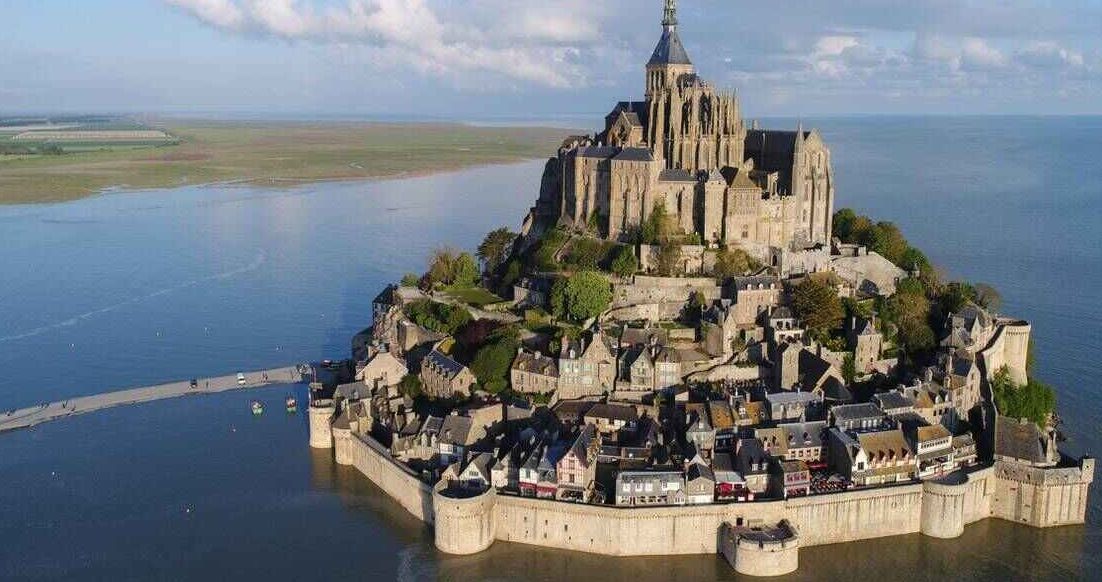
(470, 524)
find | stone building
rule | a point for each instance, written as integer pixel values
(534, 373)
(586, 368)
(686, 147)
(866, 342)
(383, 370)
(443, 377)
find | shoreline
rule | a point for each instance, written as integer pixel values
(269, 153)
(275, 183)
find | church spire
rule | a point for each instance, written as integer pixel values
(670, 18)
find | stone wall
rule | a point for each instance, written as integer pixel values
(1033, 496)
(1042, 497)
(1010, 348)
(463, 525)
(664, 290)
(397, 481)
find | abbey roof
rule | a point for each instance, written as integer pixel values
(670, 51)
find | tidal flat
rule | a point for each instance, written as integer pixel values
(269, 154)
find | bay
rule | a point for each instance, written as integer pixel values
(136, 288)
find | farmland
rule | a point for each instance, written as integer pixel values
(276, 153)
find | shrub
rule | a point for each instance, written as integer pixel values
(581, 296)
(817, 304)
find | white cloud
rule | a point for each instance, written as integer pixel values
(221, 13)
(532, 44)
(977, 55)
(1049, 55)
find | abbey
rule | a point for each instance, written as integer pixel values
(687, 148)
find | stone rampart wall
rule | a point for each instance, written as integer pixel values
(463, 525)
(1010, 348)
(1039, 497)
(1042, 497)
(401, 484)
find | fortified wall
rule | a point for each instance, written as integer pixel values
(470, 523)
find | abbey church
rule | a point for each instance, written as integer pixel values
(686, 147)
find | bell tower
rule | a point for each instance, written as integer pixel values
(669, 61)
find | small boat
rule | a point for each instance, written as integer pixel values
(292, 404)
(258, 408)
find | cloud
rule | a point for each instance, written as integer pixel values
(220, 13)
(537, 43)
(977, 55)
(1049, 55)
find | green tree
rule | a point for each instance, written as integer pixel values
(465, 271)
(954, 296)
(817, 305)
(624, 263)
(909, 311)
(733, 262)
(849, 368)
(1034, 400)
(581, 296)
(442, 266)
(410, 280)
(988, 297)
(669, 255)
(844, 221)
(495, 248)
(586, 254)
(492, 363)
(512, 273)
(652, 226)
(410, 386)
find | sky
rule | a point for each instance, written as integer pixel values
(485, 59)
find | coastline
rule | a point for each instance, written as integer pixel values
(275, 153)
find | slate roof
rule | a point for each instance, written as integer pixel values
(599, 152)
(698, 471)
(772, 151)
(851, 412)
(1019, 440)
(893, 400)
(536, 364)
(804, 434)
(448, 367)
(675, 175)
(455, 430)
(612, 412)
(670, 50)
(634, 155)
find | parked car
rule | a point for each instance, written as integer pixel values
(240, 379)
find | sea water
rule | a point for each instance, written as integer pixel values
(136, 288)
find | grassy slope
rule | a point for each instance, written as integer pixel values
(271, 152)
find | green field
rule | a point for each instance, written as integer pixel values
(267, 152)
(476, 296)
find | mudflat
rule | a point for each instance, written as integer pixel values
(278, 153)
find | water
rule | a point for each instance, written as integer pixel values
(132, 289)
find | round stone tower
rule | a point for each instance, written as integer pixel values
(943, 506)
(321, 418)
(463, 522)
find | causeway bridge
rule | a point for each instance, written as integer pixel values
(28, 417)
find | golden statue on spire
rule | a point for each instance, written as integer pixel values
(670, 18)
